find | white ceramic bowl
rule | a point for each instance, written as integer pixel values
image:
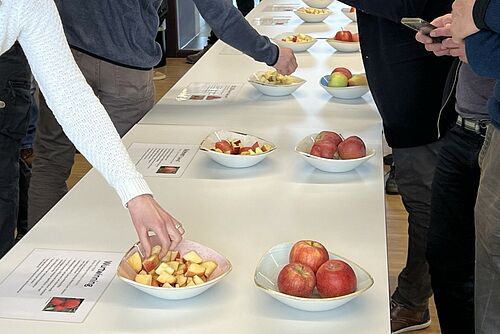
(295, 46)
(349, 14)
(313, 18)
(276, 258)
(318, 3)
(275, 89)
(350, 92)
(343, 46)
(329, 165)
(230, 160)
(127, 274)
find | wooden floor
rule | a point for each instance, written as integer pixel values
(396, 215)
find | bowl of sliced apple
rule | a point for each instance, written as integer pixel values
(274, 84)
(312, 15)
(185, 272)
(298, 42)
(318, 3)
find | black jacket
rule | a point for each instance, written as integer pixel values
(406, 80)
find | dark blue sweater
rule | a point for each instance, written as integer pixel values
(483, 50)
(123, 31)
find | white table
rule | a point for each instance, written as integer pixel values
(240, 213)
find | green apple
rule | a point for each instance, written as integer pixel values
(358, 80)
(338, 79)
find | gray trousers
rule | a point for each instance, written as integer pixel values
(415, 168)
(487, 211)
(126, 94)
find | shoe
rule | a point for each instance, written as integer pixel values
(391, 187)
(405, 320)
(388, 159)
(192, 59)
(159, 76)
(26, 154)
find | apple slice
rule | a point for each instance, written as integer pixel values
(156, 250)
(166, 285)
(174, 265)
(210, 266)
(190, 282)
(266, 147)
(195, 269)
(197, 280)
(135, 262)
(151, 263)
(164, 268)
(167, 257)
(166, 278)
(174, 256)
(193, 257)
(181, 280)
(144, 279)
(155, 283)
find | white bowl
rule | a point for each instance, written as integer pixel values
(329, 165)
(350, 92)
(276, 258)
(349, 14)
(318, 3)
(312, 18)
(127, 274)
(297, 46)
(275, 89)
(343, 46)
(230, 160)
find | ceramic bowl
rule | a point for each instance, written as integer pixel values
(295, 46)
(318, 3)
(275, 89)
(350, 92)
(313, 18)
(343, 46)
(351, 15)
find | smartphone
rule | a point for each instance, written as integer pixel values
(421, 25)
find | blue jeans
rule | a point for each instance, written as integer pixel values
(15, 80)
(450, 243)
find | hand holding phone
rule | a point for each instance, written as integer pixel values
(422, 26)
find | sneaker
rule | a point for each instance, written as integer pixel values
(391, 187)
(159, 75)
(192, 59)
(405, 320)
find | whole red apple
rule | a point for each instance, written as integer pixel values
(355, 37)
(327, 149)
(296, 279)
(343, 35)
(310, 253)
(352, 148)
(316, 150)
(335, 278)
(329, 135)
(343, 70)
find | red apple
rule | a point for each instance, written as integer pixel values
(316, 150)
(343, 70)
(335, 278)
(343, 35)
(224, 146)
(296, 279)
(330, 136)
(352, 10)
(310, 253)
(352, 148)
(151, 263)
(355, 37)
(327, 149)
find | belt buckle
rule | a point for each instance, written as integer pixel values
(2, 104)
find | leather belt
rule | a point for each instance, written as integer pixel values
(477, 126)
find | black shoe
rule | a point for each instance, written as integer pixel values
(391, 187)
(192, 59)
(388, 160)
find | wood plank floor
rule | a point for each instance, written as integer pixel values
(397, 236)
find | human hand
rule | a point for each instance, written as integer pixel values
(147, 215)
(462, 24)
(286, 64)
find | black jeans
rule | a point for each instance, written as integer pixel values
(450, 244)
(15, 81)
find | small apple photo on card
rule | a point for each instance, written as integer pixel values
(63, 304)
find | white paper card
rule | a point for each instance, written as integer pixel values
(209, 91)
(57, 285)
(162, 160)
(282, 8)
(271, 20)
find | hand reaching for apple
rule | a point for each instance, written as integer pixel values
(286, 64)
(447, 47)
(147, 215)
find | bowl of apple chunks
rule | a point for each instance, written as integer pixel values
(182, 273)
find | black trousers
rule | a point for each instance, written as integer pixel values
(450, 244)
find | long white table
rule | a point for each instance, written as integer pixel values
(239, 212)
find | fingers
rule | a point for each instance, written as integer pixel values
(145, 243)
(444, 31)
(287, 63)
(161, 232)
(423, 38)
(174, 235)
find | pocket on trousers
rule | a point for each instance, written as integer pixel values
(16, 97)
(134, 84)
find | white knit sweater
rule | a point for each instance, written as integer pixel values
(37, 27)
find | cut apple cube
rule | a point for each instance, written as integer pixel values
(258, 150)
(190, 282)
(195, 269)
(135, 262)
(266, 147)
(166, 285)
(144, 279)
(156, 250)
(167, 257)
(210, 266)
(166, 278)
(193, 257)
(174, 256)
(197, 280)
(174, 265)
(164, 267)
(151, 263)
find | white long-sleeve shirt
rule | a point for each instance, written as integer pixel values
(37, 27)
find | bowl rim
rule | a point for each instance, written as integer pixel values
(252, 79)
(184, 288)
(306, 299)
(201, 148)
(342, 88)
(278, 37)
(333, 40)
(322, 1)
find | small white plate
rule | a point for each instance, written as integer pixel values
(329, 165)
(230, 160)
(349, 14)
(275, 89)
(318, 3)
(312, 18)
(343, 46)
(350, 92)
(276, 258)
(297, 46)
(127, 274)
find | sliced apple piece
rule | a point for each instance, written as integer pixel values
(155, 283)
(166, 278)
(195, 269)
(163, 267)
(197, 280)
(135, 262)
(151, 263)
(167, 257)
(210, 266)
(175, 255)
(181, 280)
(144, 279)
(190, 282)
(174, 265)
(156, 250)
(166, 285)
(193, 257)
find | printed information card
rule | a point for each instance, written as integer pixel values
(290, 7)
(57, 285)
(163, 160)
(271, 20)
(209, 91)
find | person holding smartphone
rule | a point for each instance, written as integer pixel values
(450, 244)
